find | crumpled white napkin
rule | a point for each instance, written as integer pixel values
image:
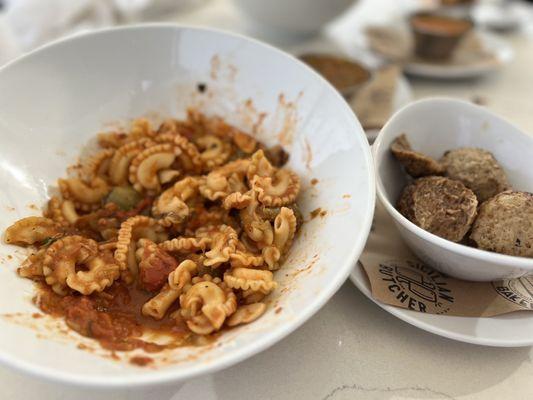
(26, 24)
(32, 23)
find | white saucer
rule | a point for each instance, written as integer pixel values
(501, 50)
(509, 330)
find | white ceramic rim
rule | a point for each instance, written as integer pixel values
(409, 317)
(514, 261)
(329, 289)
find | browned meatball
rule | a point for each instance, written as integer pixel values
(416, 164)
(277, 156)
(439, 205)
(505, 224)
(477, 169)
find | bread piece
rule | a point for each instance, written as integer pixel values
(416, 164)
(439, 205)
(477, 169)
(505, 224)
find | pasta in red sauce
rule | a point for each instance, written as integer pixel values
(172, 232)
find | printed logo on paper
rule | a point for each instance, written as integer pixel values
(517, 291)
(417, 286)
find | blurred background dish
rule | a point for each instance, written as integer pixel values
(478, 54)
(436, 36)
(303, 17)
(345, 75)
(374, 94)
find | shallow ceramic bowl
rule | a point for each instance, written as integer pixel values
(434, 126)
(55, 99)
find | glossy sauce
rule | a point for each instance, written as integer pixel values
(114, 319)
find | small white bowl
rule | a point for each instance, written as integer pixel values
(55, 99)
(434, 126)
(293, 16)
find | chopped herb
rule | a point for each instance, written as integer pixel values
(125, 197)
(48, 241)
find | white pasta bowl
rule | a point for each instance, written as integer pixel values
(55, 99)
(432, 127)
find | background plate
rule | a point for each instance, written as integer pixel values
(500, 48)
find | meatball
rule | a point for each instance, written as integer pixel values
(505, 224)
(154, 267)
(439, 205)
(477, 169)
(277, 156)
(416, 164)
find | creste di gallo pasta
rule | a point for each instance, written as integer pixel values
(177, 230)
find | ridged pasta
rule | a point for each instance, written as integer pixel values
(191, 215)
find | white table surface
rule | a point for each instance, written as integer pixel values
(352, 348)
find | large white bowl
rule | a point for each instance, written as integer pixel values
(434, 126)
(56, 98)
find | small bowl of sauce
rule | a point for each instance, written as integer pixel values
(437, 36)
(344, 74)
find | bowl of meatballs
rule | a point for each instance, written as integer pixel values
(454, 177)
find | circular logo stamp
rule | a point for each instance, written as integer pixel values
(416, 286)
(518, 291)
